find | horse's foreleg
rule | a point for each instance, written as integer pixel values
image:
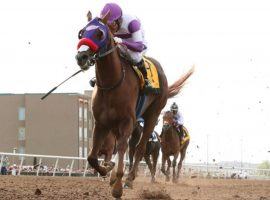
(163, 164)
(168, 169)
(174, 165)
(122, 143)
(98, 138)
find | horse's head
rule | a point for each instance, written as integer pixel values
(94, 39)
(167, 120)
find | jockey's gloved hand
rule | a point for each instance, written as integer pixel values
(118, 40)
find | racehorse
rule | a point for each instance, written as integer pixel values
(152, 149)
(171, 145)
(115, 98)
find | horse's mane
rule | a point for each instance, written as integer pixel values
(175, 88)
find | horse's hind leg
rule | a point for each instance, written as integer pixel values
(150, 121)
(149, 164)
(155, 155)
(131, 153)
(98, 138)
(183, 155)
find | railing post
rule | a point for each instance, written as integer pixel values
(1, 162)
(55, 166)
(71, 167)
(85, 169)
(20, 167)
(39, 166)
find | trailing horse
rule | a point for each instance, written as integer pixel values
(171, 145)
(152, 150)
(115, 98)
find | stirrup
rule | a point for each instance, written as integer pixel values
(147, 86)
(93, 81)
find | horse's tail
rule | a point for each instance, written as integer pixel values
(175, 88)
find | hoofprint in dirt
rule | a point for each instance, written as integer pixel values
(28, 187)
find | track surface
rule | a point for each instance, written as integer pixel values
(28, 187)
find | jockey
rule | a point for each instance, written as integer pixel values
(128, 32)
(178, 120)
(153, 137)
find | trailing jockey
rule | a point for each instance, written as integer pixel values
(178, 120)
(127, 31)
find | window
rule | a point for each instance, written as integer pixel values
(80, 113)
(21, 134)
(85, 114)
(85, 151)
(80, 152)
(80, 133)
(21, 113)
(85, 134)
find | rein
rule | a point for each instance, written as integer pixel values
(94, 58)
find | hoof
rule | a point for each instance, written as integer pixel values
(109, 166)
(112, 181)
(117, 194)
(117, 191)
(112, 178)
(167, 179)
(175, 180)
(153, 180)
(128, 184)
(103, 172)
(163, 171)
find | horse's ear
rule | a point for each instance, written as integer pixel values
(105, 17)
(89, 16)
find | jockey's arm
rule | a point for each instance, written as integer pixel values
(136, 42)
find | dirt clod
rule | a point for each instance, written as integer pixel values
(38, 192)
(147, 194)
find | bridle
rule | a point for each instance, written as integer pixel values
(95, 57)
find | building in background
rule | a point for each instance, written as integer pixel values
(61, 124)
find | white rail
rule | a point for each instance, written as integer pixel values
(57, 158)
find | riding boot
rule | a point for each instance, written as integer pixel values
(147, 85)
(179, 129)
(93, 81)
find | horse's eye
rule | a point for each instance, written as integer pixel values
(80, 34)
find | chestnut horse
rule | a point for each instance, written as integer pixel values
(115, 97)
(171, 145)
(152, 150)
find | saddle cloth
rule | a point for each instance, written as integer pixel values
(152, 75)
(186, 138)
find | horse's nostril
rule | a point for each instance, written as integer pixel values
(81, 58)
(84, 57)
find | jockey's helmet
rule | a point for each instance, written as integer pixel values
(115, 12)
(174, 108)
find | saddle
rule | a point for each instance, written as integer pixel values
(152, 73)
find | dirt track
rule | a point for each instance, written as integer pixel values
(84, 188)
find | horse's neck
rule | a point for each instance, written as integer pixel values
(108, 70)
